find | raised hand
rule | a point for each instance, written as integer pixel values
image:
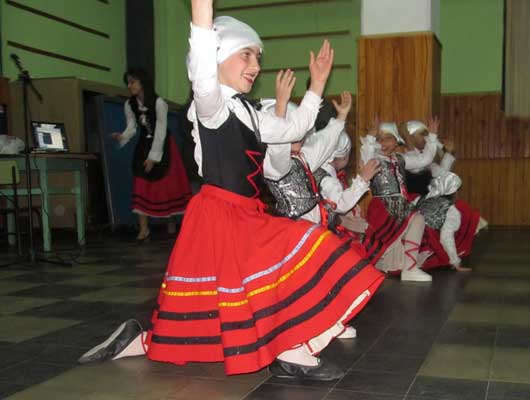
(433, 124)
(285, 81)
(202, 13)
(373, 129)
(344, 107)
(320, 67)
(369, 170)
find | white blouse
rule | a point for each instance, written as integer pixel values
(213, 102)
(157, 147)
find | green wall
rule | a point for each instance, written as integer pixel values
(471, 36)
(37, 31)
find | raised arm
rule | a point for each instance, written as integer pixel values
(320, 146)
(202, 66)
(345, 199)
(426, 157)
(293, 128)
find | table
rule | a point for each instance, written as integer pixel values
(43, 164)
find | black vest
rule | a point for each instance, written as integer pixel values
(145, 141)
(232, 157)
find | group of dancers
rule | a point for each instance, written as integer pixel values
(254, 288)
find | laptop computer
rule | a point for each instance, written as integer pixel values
(49, 137)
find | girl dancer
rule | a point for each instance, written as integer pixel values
(244, 287)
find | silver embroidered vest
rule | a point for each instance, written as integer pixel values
(386, 183)
(294, 193)
(434, 210)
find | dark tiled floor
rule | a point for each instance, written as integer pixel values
(463, 337)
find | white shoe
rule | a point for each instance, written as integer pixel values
(415, 275)
(348, 333)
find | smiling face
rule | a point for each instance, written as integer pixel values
(240, 70)
(388, 143)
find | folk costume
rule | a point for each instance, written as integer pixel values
(241, 286)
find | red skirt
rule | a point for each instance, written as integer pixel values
(463, 239)
(164, 197)
(383, 229)
(242, 286)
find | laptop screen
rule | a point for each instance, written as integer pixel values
(48, 136)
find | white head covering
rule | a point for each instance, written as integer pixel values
(444, 185)
(392, 129)
(234, 35)
(414, 127)
(343, 146)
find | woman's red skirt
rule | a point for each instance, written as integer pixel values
(164, 197)
(242, 286)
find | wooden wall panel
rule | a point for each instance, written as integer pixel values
(398, 78)
(479, 128)
(498, 188)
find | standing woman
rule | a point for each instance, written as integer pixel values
(160, 185)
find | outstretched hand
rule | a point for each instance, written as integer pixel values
(373, 129)
(344, 107)
(433, 123)
(320, 67)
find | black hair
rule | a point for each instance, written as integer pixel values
(150, 95)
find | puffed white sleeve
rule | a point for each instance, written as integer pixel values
(369, 146)
(320, 146)
(277, 162)
(345, 199)
(423, 159)
(157, 147)
(210, 106)
(294, 126)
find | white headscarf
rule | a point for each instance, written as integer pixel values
(444, 185)
(234, 35)
(343, 146)
(392, 129)
(414, 127)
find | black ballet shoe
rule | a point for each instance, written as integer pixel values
(115, 343)
(324, 371)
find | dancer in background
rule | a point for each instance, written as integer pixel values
(395, 229)
(160, 185)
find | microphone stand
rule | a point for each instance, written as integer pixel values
(26, 81)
